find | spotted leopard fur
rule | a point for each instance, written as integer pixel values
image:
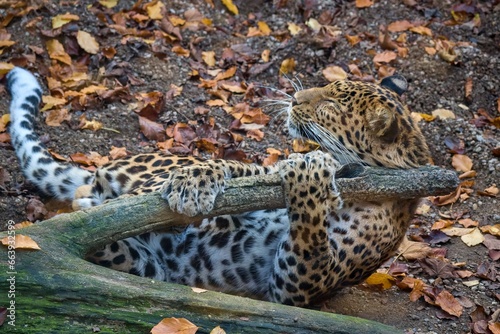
(299, 255)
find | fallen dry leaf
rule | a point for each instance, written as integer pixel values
(5, 68)
(474, 238)
(87, 42)
(118, 152)
(381, 280)
(461, 163)
(287, 66)
(467, 222)
(174, 325)
(293, 28)
(56, 51)
(208, 57)
(20, 242)
(443, 114)
(448, 303)
(198, 290)
(219, 330)
(230, 6)
(442, 223)
(154, 10)
(364, 3)
(413, 250)
(491, 229)
(456, 231)
(60, 20)
(333, 73)
(108, 3)
(385, 57)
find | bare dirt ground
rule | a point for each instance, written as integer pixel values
(454, 65)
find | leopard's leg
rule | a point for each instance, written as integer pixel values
(192, 190)
(303, 260)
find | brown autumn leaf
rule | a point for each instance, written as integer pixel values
(174, 326)
(385, 57)
(81, 159)
(35, 210)
(364, 3)
(381, 280)
(442, 223)
(151, 129)
(56, 51)
(467, 222)
(180, 51)
(271, 159)
(208, 57)
(219, 330)
(87, 42)
(421, 30)
(461, 163)
(437, 268)
(413, 250)
(468, 88)
(399, 26)
(92, 125)
(456, 231)
(447, 199)
(333, 73)
(449, 304)
(21, 242)
(97, 159)
(117, 152)
(56, 117)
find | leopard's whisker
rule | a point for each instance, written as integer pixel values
(275, 90)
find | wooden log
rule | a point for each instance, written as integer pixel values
(57, 291)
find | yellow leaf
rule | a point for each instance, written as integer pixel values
(385, 281)
(264, 28)
(5, 68)
(198, 290)
(474, 238)
(56, 51)
(287, 66)
(443, 113)
(493, 230)
(334, 73)
(230, 6)
(60, 20)
(314, 25)
(20, 242)
(155, 11)
(180, 51)
(87, 42)
(4, 120)
(461, 163)
(50, 102)
(293, 28)
(108, 3)
(427, 117)
(208, 57)
(174, 325)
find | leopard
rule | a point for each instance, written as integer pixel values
(298, 255)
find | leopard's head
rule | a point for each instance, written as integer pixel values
(360, 121)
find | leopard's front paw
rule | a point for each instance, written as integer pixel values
(192, 190)
(310, 178)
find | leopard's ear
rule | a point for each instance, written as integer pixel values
(397, 83)
(383, 123)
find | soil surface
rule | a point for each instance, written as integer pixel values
(438, 79)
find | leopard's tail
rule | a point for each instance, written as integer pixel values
(51, 177)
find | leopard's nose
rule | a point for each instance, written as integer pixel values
(294, 102)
